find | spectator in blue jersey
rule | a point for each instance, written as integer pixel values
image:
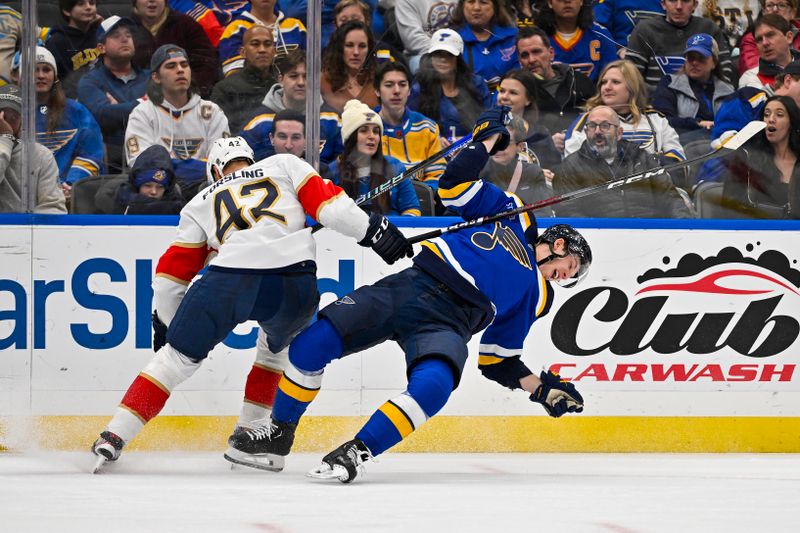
(158, 25)
(561, 91)
(408, 135)
(65, 126)
(576, 38)
(74, 44)
(762, 179)
(362, 166)
(620, 16)
(621, 87)
(290, 93)
(745, 105)
(489, 36)
(298, 9)
(114, 86)
(245, 89)
(517, 90)
(446, 89)
(691, 97)
(289, 34)
(212, 17)
(151, 188)
(656, 45)
(348, 66)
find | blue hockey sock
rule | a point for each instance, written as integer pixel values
(429, 386)
(309, 353)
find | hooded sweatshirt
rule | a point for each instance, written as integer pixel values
(48, 197)
(73, 50)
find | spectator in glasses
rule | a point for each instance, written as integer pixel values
(604, 156)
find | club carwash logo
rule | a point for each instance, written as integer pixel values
(728, 304)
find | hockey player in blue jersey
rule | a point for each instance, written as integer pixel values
(496, 275)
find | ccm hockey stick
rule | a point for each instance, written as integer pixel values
(411, 171)
(732, 144)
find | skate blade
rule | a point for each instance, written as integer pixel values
(98, 465)
(266, 461)
(325, 471)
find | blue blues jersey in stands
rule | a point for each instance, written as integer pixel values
(76, 141)
(256, 133)
(493, 258)
(586, 51)
(620, 16)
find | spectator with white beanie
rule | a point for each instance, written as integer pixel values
(362, 166)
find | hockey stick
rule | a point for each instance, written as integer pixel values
(392, 183)
(732, 144)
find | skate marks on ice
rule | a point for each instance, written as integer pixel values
(602, 493)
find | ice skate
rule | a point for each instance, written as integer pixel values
(261, 447)
(343, 463)
(107, 448)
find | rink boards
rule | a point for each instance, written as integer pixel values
(684, 337)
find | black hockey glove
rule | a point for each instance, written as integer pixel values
(159, 333)
(490, 122)
(387, 241)
(556, 396)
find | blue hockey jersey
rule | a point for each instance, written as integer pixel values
(76, 142)
(256, 133)
(620, 16)
(495, 259)
(587, 51)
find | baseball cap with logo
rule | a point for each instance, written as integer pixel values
(447, 40)
(10, 98)
(110, 24)
(165, 52)
(702, 43)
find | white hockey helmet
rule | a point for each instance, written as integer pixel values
(225, 150)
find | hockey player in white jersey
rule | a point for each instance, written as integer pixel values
(249, 226)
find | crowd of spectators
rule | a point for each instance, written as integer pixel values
(130, 96)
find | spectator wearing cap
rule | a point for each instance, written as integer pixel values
(157, 25)
(74, 44)
(49, 198)
(114, 86)
(408, 135)
(362, 166)
(288, 33)
(489, 34)
(290, 94)
(242, 91)
(691, 97)
(773, 35)
(416, 22)
(656, 45)
(446, 89)
(151, 188)
(175, 117)
(65, 126)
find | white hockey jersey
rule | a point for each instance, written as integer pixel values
(254, 219)
(186, 132)
(653, 132)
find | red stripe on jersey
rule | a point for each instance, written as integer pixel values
(261, 386)
(182, 262)
(145, 398)
(315, 192)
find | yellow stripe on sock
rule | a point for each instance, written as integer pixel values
(398, 418)
(293, 390)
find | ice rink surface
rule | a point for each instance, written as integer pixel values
(443, 493)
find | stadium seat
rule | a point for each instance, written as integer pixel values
(427, 198)
(708, 199)
(85, 190)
